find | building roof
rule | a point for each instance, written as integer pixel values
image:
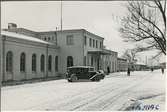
(72, 30)
(140, 63)
(81, 67)
(122, 59)
(24, 37)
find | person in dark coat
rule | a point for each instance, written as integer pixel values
(162, 69)
(108, 70)
(128, 72)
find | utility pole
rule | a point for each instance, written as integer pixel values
(61, 19)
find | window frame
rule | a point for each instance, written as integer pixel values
(9, 61)
(70, 40)
(34, 63)
(22, 62)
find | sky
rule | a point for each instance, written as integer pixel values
(99, 17)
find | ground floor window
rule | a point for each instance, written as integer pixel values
(9, 61)
(56, 63)
(91, 60)
(50, 63)
(69, 61)
(34, 63)
(22, 62)
(42, 63)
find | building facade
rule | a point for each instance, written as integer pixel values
(52, 51)
(122, 64)
(24, 57)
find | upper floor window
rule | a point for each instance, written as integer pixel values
(70, 40)
(93, 43)
(9, 61)
(90, 42)
(85, 40)
(22, 62)
(45, 38)
(101, 45)
(96, 44)
(34, 62)
(48, 38)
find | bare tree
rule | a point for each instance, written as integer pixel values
(130, 55)
(145, 24)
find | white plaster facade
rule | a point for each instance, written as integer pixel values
(18, 46)
(84, 47)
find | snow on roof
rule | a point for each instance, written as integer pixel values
(25, 37)
(140, 63)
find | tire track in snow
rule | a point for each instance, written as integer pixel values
(68, 100)
(105, 103)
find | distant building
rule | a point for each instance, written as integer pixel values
(140, 66)
(122, 64)
(110, 61)
(163, 65)
(26, 54)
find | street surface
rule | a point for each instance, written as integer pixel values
(115, 92)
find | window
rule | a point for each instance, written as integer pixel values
(22, 62)
(70, 40)
(96, 44)
(100, 44)
(56, 63)
(85, 40)
(34, 63)
(42, 63)
(93, 43)
(45, 39)
(69, 61)
(50, 63)
(48, 38)
(91, 60)
(85, 60)
(9, 61)
(90, 42)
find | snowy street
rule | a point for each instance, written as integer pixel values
(115, 92)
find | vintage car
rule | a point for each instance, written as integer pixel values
(75, 73)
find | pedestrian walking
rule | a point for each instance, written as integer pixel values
(162, 69)
(108, 70)
(128, 72)
(152, 69)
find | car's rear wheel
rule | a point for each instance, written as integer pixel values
(74, 78)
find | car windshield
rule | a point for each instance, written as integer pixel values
(91, 69)
(77, 70)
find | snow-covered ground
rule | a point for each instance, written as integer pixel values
(116, 92)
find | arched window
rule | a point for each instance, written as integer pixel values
(50, 63)
(42, 60)
(9, 61)
(56, 63)
(22, 62)
(34, 63)
(69, 61)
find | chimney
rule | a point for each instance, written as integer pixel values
(12, 26)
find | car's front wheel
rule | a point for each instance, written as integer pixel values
(74, 78)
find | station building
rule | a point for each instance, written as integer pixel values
(27, 54)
